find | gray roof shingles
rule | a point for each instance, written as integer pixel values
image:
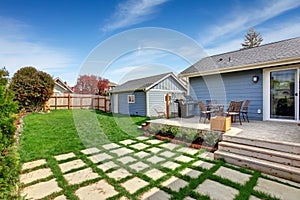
(139, 84)
(265, 53)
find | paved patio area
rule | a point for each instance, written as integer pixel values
(145, 168)
(265, 130)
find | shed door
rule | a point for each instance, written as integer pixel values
(116, 104)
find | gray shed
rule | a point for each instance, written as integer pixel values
(146, 96)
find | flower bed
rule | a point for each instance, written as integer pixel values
(180, 135)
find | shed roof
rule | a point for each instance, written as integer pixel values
(241, 59)
(144, 83)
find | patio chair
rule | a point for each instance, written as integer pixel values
(204, 111)
(160, 114)
(234, 110)
(244, 110)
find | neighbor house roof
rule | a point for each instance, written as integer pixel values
(144, 83)
(62, 85)
(276, 53)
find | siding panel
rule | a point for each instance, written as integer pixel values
(234, 86)
(137, 108)
(169, 84)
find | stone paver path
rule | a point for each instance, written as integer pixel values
(145, 168)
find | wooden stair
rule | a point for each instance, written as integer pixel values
(280, 159)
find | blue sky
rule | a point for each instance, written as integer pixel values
(59, 36)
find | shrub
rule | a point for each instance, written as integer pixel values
(211, 137)
(191, 134)
(32, 88)
(154, 128)
(8, 157)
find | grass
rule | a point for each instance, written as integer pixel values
(64, 131)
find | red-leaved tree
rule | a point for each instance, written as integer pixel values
(91, 84)
(103, 86)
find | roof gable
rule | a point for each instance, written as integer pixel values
(62, 85)
(144, 83)
(262, 54)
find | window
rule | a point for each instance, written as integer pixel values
(131, 99)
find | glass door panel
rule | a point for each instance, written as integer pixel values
(282, 87)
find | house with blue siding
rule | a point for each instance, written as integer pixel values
(146, 96)
(268, 75)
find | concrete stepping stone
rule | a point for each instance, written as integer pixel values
(184, 159)
(139, 166)
(154, 150)
(189, 198)
(61, 197)
(188, 150)
(80, 176)
(175, 183)
(142, 154)
(119, 174)
(110, 146)
(155, 159)
(100, 157)
(207, 155)
(107, 165)
(95, 191)
(139, 146)
(171, 165)
(167, 154)
(127, 142)
(155, 194)
(216, 191)
(191, 173)
(74, 164)
(127, 159)
(134, 184)
(90, 151)
(65, 156)
(155, 174)
(169, 146)
(141, 138)
(122, 151)
(277, 189)
(254, 198)
(154, 141)
(233, 175)
(203, 164)
(35, 175)
(41, 190)
(124, 198)
(33, 164)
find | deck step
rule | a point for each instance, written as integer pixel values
(273, 145)
(268, 167)
(261, 153)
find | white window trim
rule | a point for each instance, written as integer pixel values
(132, 97)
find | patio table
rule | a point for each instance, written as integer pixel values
(218, 108)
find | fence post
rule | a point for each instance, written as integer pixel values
(105, 110)
(55, 102)
(69, 101)
(98, 103)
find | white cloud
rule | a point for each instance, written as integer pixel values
(132, 12)
(18, 49)
(243, 18)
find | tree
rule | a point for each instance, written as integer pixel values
(103, 86)
(32, 88)
(252, 39)
(86, 84)
(8, 155)
(91, 84)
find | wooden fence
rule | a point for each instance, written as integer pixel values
(79, 101)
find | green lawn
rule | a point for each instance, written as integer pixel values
(64, 131)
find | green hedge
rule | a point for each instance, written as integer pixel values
(9, 159)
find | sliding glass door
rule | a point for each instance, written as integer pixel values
(284, 89)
